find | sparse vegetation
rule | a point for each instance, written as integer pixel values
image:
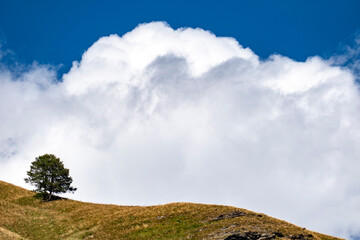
(27, 217)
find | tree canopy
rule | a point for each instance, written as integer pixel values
(49, 176)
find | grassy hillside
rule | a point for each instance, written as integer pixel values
(22, 216)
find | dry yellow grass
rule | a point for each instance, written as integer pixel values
(25, 217)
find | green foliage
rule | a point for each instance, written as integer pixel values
(48, 174)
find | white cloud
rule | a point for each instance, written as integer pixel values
(350, 57)
(161, 115)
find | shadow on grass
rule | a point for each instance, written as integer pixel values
(46, 197)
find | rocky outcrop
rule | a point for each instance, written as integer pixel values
(230, 215)
(267, 236)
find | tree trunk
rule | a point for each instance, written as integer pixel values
(51, 188)
(49, 197)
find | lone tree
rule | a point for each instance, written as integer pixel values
(48, 174)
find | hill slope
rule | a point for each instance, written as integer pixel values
(25, 217)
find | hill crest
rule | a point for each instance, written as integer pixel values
(27, 217)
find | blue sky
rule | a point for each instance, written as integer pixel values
(58, 32)
(253, 104)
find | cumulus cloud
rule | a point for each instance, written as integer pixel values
(162, 115)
